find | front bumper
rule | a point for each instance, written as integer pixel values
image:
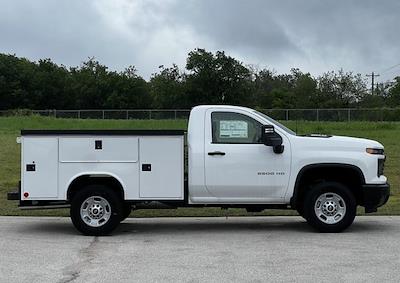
(375, 195)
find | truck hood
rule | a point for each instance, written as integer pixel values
(323, 141)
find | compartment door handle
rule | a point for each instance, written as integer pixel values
(216, 153)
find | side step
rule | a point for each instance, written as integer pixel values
(54, 206)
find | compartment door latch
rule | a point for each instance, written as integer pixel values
(98, 144)
(30, 167)
(146, 167)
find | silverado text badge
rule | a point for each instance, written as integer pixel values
(271, 173)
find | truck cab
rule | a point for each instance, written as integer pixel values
(237, 157)
(228, 161)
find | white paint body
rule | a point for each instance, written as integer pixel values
(59, 160)
(235, 178)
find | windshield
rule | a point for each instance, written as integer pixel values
(269, 119)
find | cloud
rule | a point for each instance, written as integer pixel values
(240, 26)
(316, 36)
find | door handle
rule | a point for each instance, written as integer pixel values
(216, 153)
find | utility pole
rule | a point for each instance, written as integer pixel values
(373, 75)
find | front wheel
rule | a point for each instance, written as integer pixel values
(330, 207)
(96, 210)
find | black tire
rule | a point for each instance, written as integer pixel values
(126, 211)
(114, 208)
(330, 188)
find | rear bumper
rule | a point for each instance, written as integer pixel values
(375, 195)
(15, 195)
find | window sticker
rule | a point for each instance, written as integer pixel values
(233, 129)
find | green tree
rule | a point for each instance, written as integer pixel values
(210, 78)
(341, 89)
(94, 87)
(49, 86)
(16, 82)
(217, 79)
(305, 90)
(394, 93)
(263, 84)
(129, 90)
(90, 85)
(294, 90)
(167, 88)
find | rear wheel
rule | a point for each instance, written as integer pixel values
(330, 207)
(96, 210)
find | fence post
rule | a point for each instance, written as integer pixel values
(175, 114)
(317, 115)
(103, 114)
(348, 114)
(79, 114)
(287, 114)
(127, 114)
(55, 113)
(149, 114)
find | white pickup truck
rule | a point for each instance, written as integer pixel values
(237, 157)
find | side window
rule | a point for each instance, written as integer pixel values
(230, 127)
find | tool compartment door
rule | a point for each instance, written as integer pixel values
(39, 167)
(98, 149)
(161, 167)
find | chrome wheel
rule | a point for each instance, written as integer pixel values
(95, 211)
(330, 208)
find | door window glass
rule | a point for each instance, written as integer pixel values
(231, 127)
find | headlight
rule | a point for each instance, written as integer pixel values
(379, 151)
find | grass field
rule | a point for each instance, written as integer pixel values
(387, 133)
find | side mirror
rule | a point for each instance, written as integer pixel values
(269, 137)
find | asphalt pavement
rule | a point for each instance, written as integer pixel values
(233, 249)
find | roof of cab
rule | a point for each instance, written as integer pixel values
(204, 107)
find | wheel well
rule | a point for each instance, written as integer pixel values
(349, 175)
(85, 180)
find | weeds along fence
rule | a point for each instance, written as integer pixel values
(337, 114)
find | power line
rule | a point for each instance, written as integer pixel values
(372, 75)
(392, 67)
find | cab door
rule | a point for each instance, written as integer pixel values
(238, 167)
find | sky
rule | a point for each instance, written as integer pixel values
(315, 36)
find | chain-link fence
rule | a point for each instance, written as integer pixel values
(337, 114)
